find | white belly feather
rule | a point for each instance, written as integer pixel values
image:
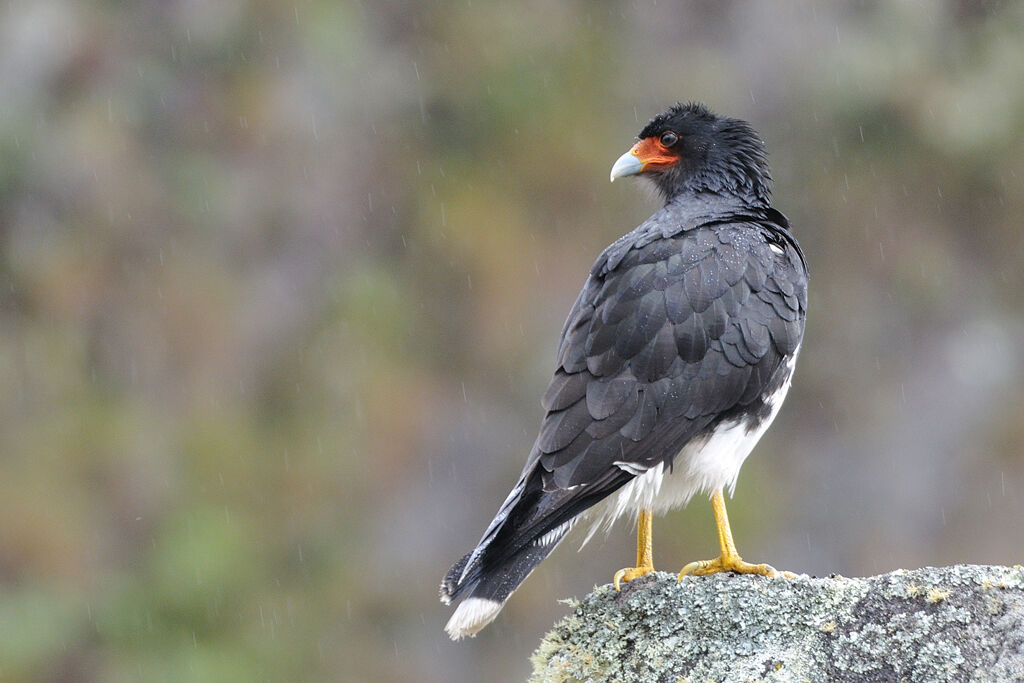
(704, 465)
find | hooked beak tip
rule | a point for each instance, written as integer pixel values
(626, 165)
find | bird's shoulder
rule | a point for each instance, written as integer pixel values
(652, 276)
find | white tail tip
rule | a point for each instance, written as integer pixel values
(471, 616)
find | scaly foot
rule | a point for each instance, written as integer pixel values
(729, 560)
(730, 563)
(644, 555)
(630, 573)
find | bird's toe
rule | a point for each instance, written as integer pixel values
(629, 574)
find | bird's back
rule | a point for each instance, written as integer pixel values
(671, 335)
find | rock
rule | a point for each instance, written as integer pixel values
(960, 623)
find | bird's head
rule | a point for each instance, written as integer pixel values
(688, 148)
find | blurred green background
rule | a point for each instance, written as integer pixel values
(281, 285)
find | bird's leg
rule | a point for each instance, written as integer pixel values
(644, 552)
(730, 560)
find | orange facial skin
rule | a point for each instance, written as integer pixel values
(653, 155)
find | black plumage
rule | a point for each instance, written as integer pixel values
(687, 323)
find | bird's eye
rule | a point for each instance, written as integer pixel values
(669, 138)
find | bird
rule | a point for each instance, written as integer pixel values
(673, 361)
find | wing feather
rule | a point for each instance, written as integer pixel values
(666, 337)
(605, 396)
(562, 426)
(565, 389)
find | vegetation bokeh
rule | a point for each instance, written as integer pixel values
(282, 283)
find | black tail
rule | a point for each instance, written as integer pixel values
(528, 526)
(490, 582)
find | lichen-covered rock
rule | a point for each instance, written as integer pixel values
(960, 623)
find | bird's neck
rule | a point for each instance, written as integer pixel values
(704, 205)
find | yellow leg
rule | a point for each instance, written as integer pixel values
(730, 560)
(644, 552)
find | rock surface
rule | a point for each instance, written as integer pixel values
(960, 623)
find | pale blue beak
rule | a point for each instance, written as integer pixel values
(626, 165)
